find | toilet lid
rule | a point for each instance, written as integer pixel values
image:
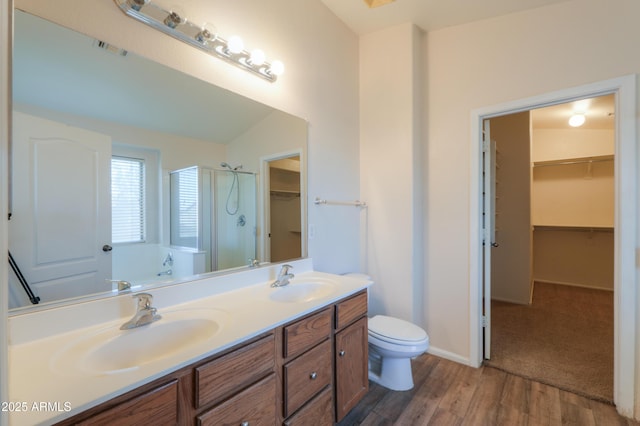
(396, 329)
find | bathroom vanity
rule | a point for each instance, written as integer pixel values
(279, 356)
(286, 375)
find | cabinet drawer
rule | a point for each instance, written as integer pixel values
(351, 309)
(253, 406)
(303, 334)
(158, 406)
(318, 412)
(306, 376)
(221, 377)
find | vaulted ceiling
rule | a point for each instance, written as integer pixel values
(427, 14)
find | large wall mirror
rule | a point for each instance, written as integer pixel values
(126, 170)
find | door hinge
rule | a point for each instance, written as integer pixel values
(484, 321)
(485, 146)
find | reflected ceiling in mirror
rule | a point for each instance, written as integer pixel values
(142, 110)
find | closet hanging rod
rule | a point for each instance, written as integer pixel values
(573, 228)
(356, 203)
(570, 162)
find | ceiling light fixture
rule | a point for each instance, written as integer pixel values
(376, 3)
(204, 37)
(577, 119)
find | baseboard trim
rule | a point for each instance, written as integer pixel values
(451, 356)
(571, 284)
(516, 302)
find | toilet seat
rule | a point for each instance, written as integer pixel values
(396, 331)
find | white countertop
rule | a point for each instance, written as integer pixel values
(43, 393)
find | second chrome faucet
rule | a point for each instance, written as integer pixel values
(145, 313)
(283, 276)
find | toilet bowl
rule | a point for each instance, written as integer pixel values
(392, 344)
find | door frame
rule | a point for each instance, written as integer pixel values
(264, 204)
(626, 165)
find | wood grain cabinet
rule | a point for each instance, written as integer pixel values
(254, 406)
(307, 366)
(312, 370)
(158, 406)
(351, 353)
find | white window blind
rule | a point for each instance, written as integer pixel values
(127, 200)
(184, 208)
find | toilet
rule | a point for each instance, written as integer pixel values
(392, 344)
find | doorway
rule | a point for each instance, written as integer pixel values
(283, 207)
(552, 264)
(624, 234)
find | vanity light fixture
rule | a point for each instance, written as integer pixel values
(173, 22)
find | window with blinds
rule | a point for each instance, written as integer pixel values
(127, 200)
(184, 208)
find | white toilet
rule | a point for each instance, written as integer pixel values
(392, 344)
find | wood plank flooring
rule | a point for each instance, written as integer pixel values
(447, 393)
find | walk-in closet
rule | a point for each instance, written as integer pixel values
(552, 269)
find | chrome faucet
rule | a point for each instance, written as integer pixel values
(122, 284)
(283, 277)
(145, 314)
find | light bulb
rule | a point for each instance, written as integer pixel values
(257, 57)
(175, 17)
(235, 44)
(137, 4)
(208, 32)
(277, 68)
(576, 120)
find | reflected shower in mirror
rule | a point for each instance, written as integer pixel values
(100, 136)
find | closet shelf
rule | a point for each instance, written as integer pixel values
(285, 193)
(569, 161)
(580, 228)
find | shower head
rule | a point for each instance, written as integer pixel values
(233, 169)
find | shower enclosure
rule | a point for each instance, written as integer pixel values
(214, 212)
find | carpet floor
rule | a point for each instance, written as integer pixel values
(564, 339)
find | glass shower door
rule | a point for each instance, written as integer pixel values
(235, 218)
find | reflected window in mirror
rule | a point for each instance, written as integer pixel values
(127, 200)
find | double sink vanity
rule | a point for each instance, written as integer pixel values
(228, 349)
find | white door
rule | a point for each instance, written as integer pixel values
(488, 225)
(61, 207)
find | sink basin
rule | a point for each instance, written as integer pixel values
(112, 351)
(303, 291)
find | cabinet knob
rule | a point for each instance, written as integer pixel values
(244, 424)
(313, 375)
(341, 353)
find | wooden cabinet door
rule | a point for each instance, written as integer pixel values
(158, 406)
(352, 378)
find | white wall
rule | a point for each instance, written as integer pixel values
(576, 257)
(390, 177)
(560, 144)
(488, 63)
(573, 195)
(511, 259)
